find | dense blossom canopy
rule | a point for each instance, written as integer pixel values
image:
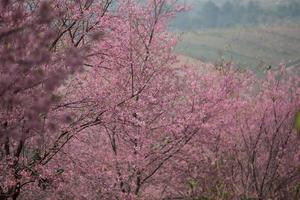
(95, 105)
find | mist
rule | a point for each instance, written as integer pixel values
(253, 34)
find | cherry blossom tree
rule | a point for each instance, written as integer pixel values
(52, 41)
(255, 154)
(42, 45)
(94, 105)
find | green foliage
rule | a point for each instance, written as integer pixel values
(297, 122)
(192, 183)
(202, 198)
(297, 191)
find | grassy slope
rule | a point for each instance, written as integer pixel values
(265, 3)
(262, 45)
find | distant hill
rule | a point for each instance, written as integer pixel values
(249, 46)
(207, 14)
(262, 2)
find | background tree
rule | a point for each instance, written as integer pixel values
(209, 14)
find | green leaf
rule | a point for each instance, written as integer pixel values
(202, 198)
(192, 183)
(297, 122)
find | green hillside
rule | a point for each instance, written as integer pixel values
(250, 46)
